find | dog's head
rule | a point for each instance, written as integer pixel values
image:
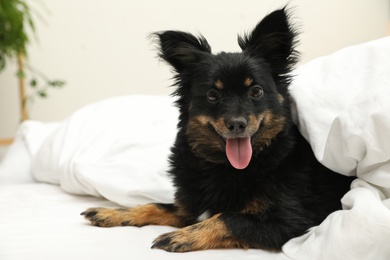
(233, 104)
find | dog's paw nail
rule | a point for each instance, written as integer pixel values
(170, 242)
(89, 213)
(161, 241)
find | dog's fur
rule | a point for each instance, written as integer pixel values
(244, 176)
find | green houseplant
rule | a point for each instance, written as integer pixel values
(16, 22)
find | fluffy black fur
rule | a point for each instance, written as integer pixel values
(219, 203)
(299, 191)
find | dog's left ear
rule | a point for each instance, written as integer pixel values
(273, 40)
(182, 50)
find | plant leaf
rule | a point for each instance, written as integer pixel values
(42, 94)
(56, 83)
(2, 62)
(20, 74)
(33, 83)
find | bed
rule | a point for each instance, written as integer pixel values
(96, 157)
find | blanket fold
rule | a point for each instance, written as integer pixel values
(117, 149)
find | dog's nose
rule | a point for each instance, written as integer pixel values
(237, 124)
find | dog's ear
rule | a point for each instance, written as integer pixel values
(181, 50)
(274, 40)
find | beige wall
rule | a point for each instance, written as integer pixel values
(100, 48)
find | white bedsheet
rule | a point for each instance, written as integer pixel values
(111, 150)
(41, 222)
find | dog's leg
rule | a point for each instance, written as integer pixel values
(208, 234)
(150, 214)
(226, 230)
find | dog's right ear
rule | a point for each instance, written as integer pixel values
(181, 50)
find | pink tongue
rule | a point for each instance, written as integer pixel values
(239, 152)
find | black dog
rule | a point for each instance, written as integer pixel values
(244, 176)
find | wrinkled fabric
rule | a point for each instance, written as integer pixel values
(117, 149)
(342, 103)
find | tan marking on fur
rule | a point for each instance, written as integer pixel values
(273, 124)
(149, 214)
(254, 123)
(209, 234)
(203, 120)
(256, 206)
(248, 82)
(218, 84)
(201, 138)
(219, 125)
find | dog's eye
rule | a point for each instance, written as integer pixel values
(256, 91)
(213, 95)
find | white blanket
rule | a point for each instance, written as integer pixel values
(343, 108)
(118, 149)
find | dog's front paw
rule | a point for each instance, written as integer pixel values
(150, 214)
(176, 241)
(105, 217)
(208, 234)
